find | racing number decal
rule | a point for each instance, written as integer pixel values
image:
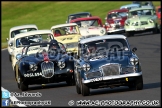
(67, 39)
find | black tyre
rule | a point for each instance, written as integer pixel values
(155, 30)
(18, 80)
(84, 89)
(77, 84)
(70, 81)
(20, 84)
(131, 86)
(10, 59)
(139, 83)
(129, 34)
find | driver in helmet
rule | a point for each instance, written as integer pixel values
(134, 13)
(92, 48)
(57, 33)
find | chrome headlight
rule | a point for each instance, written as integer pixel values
(127, 23)
(33, 66)
(102, 31)
(106, 24)
(86, 67)
(134, 61)
(151, 21)
(61, 64)
(18, 56)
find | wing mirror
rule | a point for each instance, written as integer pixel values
(134, 49)
(6, 39)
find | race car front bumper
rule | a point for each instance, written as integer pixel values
(110, 78)
(121, 30)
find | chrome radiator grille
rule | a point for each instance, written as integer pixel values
(47, 69)
(110, 69)
(144, 22)
(94, 74)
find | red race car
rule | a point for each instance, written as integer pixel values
(90, 26)
(115, 21)
(158, 12)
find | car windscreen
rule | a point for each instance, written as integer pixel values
(141, 12)
(31, 39)
(87, 23)
(13, 33)
(114, 15)
(51, 49)
(65, 30)
(71, 17)
(104, 46)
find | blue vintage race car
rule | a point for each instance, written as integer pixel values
(44, 63)
(106, 61)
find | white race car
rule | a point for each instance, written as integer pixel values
(90, 26)
(20, 40)
(17, 30)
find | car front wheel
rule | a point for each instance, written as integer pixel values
(129, 33)
(10, 58)
(84, 89)
(70, 81)
(139, 83)
(20, 84)
(155, 30)
(77, 84)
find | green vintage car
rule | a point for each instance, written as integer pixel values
(141, 20)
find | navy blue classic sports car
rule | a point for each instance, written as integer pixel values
(106, 61)
(43, 63)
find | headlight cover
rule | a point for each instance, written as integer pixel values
(33, 66)
(106, 24)
(102, 31)
(134, 61)
(61, 64)
(127, 23)
(86, 67)
(18, 56)
(151, 21)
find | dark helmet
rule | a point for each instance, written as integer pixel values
(134, 13)
(24, 41)
(53, 43)
(92, 47)
(57, 32)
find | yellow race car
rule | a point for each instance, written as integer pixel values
(68, 34)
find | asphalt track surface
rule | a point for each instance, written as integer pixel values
(148, 50)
